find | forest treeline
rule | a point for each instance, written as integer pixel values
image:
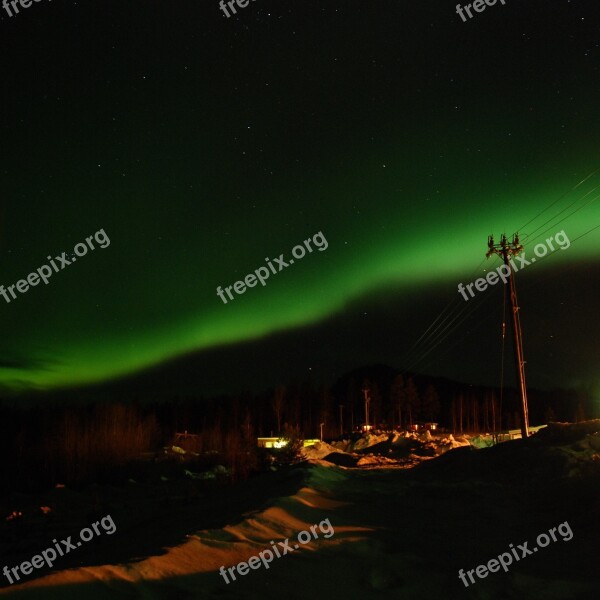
(55, 441)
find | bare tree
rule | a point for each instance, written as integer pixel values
(412, 400)
(278, 405)
(398, 396)
(431, 403)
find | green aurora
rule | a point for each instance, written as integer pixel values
(200, 163)
(151, 316)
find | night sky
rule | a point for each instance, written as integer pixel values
(202, 145)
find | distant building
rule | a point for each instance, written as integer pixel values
(277, 442)
(271, 442)
(423, 427)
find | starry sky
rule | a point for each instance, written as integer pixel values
(202, 145)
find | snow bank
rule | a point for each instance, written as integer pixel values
(318, 451)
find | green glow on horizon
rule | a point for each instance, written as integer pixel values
(310, 290)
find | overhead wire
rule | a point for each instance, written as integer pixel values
(449, 319)
(551, 276)
(419, 360)
(563, 219)
(559, 198)
(427, 335)
(528, 235)
(467, 311)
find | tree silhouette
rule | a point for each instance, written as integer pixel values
(431, 403)
(413, 402)
(398, 397)
(278, 404)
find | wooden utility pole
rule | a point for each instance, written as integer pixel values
(366, 391)
(506, 250)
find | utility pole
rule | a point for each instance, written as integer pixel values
(506, 250)
(365, 392)
(341, 419)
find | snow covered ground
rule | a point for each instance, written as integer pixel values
(402, 450)
(405, 522)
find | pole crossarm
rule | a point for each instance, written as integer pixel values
(511, 248)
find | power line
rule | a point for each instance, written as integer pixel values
(527, 284)
(450, 328)
(528, 235)
(437, 333)
(563, 219)
(449, 318)
(559, 199)
(426, 336)
(433, 346)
